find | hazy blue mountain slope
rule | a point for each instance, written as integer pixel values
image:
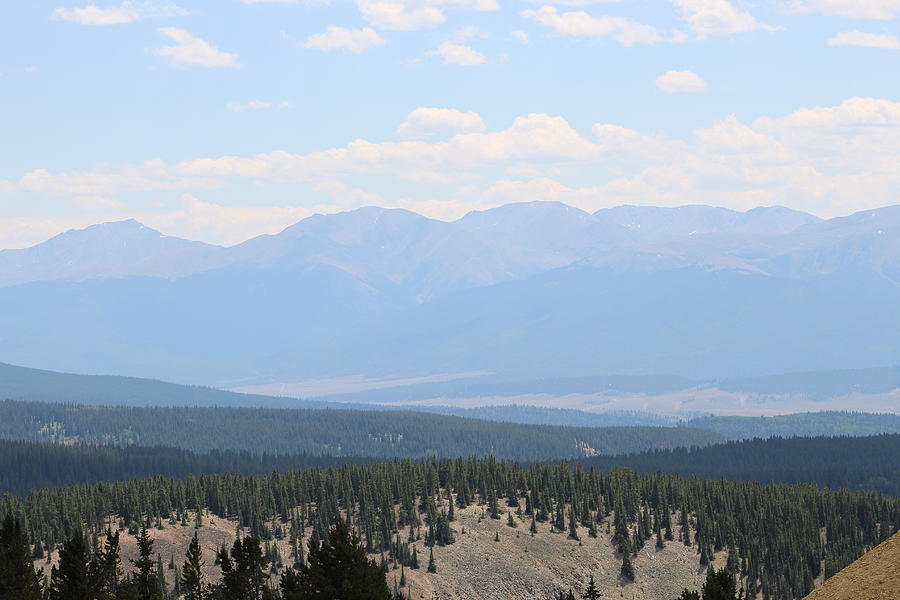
(653, 222)
(533, 287)
(105, 250)
(692, 322)
(38, 385)
(224, 324)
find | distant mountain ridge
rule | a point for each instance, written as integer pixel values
(695, 291)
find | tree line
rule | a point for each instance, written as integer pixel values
(865, 463)
(860, 463)
(382, 434)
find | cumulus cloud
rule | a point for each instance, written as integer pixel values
(190, 50)
(127, 12)
(220, 224)
(520, 36)
(340, 38)
(410, 15)
(718, 17)
(580, 24)
(469, 32)
(97, 203)
(458, 54)
(854, 9)
(870, 40)
(424, 122)
(399, 16)
(830, 160)
(674, 82)
(853, 112)
(151, 175)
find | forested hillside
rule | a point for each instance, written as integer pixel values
(27, 465)
(777, 536)
(861, 463)
(825, 423)
(866, 463)
(330, 432)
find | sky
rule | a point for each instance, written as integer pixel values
(219, 120)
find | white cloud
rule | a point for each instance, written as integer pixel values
(458, 54)
(251, 105)
(97, 203)
(855, 9)
(269, 1)
(853, 112)
(535, 137)
(830, 160)
(352, 40)
(719, 17)
(673, 82)
(127, 12)
(410, 15)
(399, 16)
(151, 175)
(190, 50)
(216, 223)
(31, 69)
(341, 196)
(576, 3)
(468, 32)
(732, 136)
(520, 36)
(580, 24)
(424, 122)
(870, 40)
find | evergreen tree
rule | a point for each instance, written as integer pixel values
(591, 592)
(161, 577)
(144, 578)
(573, 525)
(245, 575)
(336, 569)
(191, 581)
(719, 585)
(107, 568)
(18, 580)
(627, 567)
(70, 580)
(432, 568)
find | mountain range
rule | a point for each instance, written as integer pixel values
(530, 289)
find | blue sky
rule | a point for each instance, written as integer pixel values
(220, 120)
